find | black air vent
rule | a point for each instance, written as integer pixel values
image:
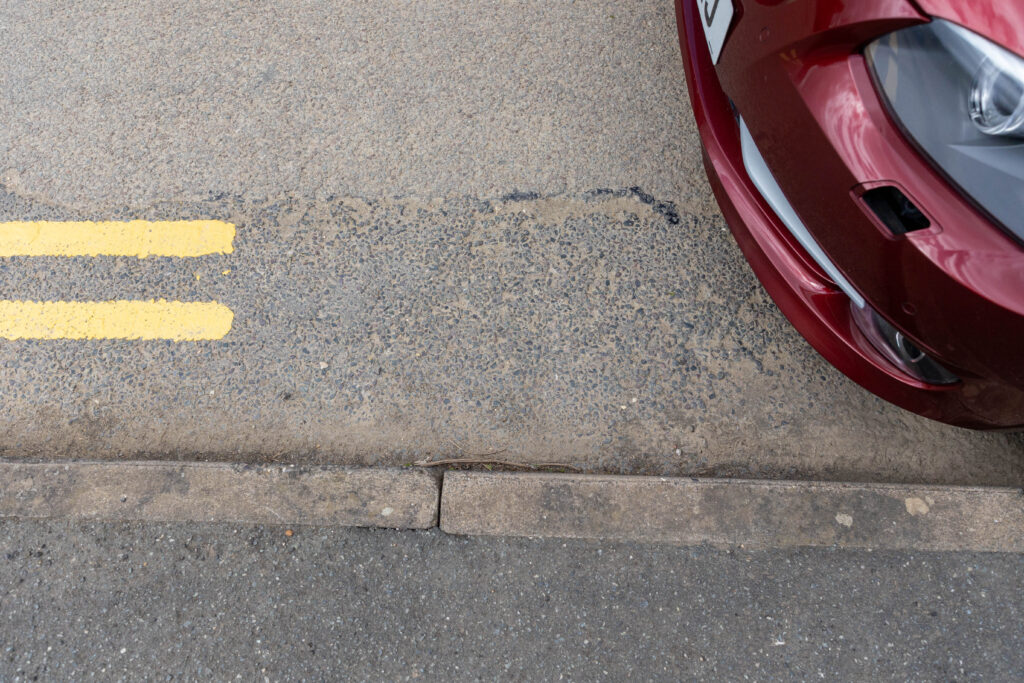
(894, 210)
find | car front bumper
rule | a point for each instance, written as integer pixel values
(794, 74)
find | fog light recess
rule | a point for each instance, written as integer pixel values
(899, 350)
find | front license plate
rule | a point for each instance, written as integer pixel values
(715, 16)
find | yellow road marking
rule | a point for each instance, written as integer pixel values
(110, 238)
(176, 320)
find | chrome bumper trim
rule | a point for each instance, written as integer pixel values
(765, 182)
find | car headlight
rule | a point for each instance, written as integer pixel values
(960, 98)
(997, 100)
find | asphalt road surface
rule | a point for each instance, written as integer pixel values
(463, 227)
(191, 602)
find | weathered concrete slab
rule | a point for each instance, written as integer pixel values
(215, 492)
(757, 514)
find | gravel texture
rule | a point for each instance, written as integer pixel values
(146, 101)
(609, 332)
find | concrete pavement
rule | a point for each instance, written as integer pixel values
(733, 512)
(683, 511)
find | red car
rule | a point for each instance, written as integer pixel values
(869, 157)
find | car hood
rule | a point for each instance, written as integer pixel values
(1001, 21)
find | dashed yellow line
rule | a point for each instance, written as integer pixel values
(111, 238)
(175, 320)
